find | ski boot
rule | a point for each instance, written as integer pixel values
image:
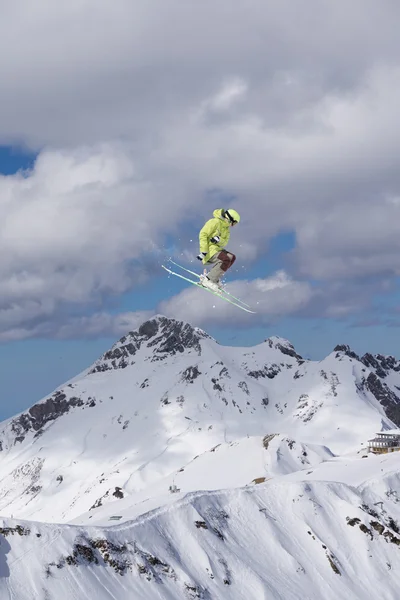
(207, 283)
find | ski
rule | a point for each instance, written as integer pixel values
(219, 294)
(197, 275)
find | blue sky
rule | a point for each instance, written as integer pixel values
(130, 139)
(32, 368)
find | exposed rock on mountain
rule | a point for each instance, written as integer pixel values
(164, 336)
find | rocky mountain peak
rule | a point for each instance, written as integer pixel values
(283, 345)
(381, 364)
(345, 349)
(161, 335)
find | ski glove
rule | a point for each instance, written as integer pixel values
(215, 239)
(202, 255)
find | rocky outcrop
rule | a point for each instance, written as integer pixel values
(385, 396)
(162, 336)
(269, 371)
(346, 350)
(190, 374)
(40, 414)
(284, 346)
(382, 365)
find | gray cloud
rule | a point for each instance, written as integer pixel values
(90, 71)
(96, 325)
(139, 109)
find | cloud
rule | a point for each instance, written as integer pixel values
(74, 231)
(97, 325)
(100, 69)
(138, 110)
(279, 296)
(272, 297)
(222, 104)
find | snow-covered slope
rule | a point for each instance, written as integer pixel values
(280, 539)
(230, 429)
(227, 465)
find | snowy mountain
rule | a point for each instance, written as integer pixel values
(222, 465)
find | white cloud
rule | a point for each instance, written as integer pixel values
(275, 296)
(222, 102)
(140, 108)
(230, 93)
(71, 228)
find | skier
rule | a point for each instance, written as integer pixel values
(213, 238)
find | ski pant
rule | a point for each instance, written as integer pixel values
(221, 261)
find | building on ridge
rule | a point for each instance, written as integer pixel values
(385, 441)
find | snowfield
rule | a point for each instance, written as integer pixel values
(274, 493)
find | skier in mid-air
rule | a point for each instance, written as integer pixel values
(213, 238)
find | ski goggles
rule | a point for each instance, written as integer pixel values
(231, 219)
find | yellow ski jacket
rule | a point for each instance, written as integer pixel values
(217, 226)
